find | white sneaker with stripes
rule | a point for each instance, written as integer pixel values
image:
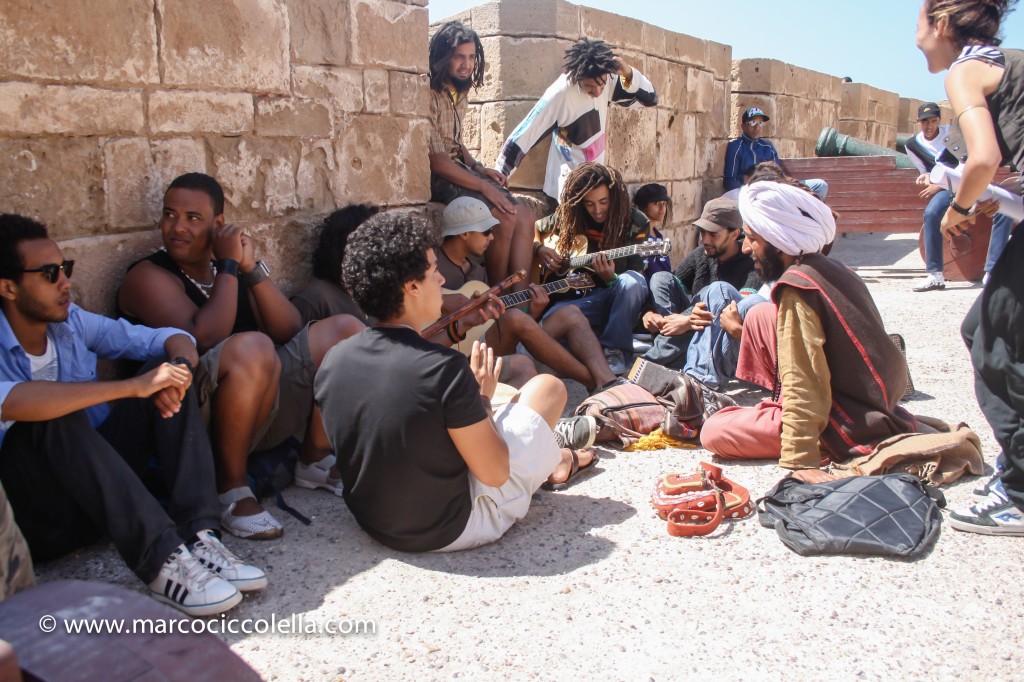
(189, 587)
(209, 551)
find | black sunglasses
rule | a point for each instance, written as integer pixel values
(52, 270)
(487, 232)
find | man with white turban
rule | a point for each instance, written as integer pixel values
(842, 375)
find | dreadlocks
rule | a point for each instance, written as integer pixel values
(589, 59)
(572, 218)
(442, 47)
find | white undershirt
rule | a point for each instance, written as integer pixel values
(45, 367)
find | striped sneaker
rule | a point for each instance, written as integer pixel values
(189, 587)
(997, 515)
(209, 551)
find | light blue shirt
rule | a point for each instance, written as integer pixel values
(79, 340)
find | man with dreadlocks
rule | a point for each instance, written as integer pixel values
(595, 204)
(456, 65)
(841, 375)
(575, 108)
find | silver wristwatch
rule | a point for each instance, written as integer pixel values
(257, 274)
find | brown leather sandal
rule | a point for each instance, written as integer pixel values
(574, 471)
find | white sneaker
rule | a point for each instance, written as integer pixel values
(261, 526)
(189, 587)
(209, 551)
(931, 282)
(318, 475)
(616, 360)
(997, 515)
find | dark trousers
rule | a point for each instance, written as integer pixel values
(69, 483)
(992, 332)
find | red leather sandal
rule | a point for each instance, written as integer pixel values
(698, 503)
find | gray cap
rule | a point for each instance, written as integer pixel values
(720, 214)
(466, 214)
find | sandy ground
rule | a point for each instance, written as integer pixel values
(590, 585)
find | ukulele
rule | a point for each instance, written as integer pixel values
(575, 281)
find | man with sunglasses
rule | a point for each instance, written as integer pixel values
(750, 149)
(467, 235)
(74, 450)
(574, 110)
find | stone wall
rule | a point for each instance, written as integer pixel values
(869, 114)
(296, 106)
(799, 102)
(680, 143)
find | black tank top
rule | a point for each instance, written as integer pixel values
(245, 319)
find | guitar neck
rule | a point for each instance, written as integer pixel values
(520, 297)
(612, 254)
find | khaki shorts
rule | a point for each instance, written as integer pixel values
(532, 456)
(293, 405)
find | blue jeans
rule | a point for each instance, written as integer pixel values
(613, 311)
(933, 212)
(818, 186)
(709, 355)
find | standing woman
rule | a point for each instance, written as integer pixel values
(985, 86)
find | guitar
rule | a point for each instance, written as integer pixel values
(578, 281)
(579, 258)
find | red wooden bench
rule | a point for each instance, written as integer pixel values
(871, 195)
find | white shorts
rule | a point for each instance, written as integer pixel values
(532, 456)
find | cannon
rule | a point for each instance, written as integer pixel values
(901, 141)
(833, 143)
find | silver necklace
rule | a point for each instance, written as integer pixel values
(204, 289)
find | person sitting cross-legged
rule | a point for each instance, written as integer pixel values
(424, 463)
(466, 233)
(700, 333)
(74, 451)
(258, 359)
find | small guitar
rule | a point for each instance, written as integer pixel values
(579, 258)
(578, 280)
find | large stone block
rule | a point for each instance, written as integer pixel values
(676, 145)
(383, 160)
(756, 75)
(685, 49)
(59, 40)
(654, 39)
(857, 129)
(670, 81)
(719, 114)
(410, 93)
(228, 44)
(129, 183)
(184, 111)
(614, 29)
(854, 100)
(539, 18)
(341, 89)
(376, 91)
(100, 264)
(292, 117)
(58, 181)
(388, 34)
(471, 124)
(700, 88)
(319, 31)
(720, 59)
(532, 171)
(27, 109)
(313, 178)
(250, 169)
(173, 157)
(632, 142)
(287, 246)
(519, 68)
(710, 159)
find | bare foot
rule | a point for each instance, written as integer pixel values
(562, 471)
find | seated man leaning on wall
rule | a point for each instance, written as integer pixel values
(258, 360)
(74, 450)
(596, 215)
(467, 232)
(841, 374)
(456, 65)
(750, 149)
(425, 464)
(694, 331)
(574, 111)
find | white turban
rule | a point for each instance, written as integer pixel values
(791, 219)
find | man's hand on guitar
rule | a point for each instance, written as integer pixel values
(550, 259)
(604, 267)
(653, 322)
(539, 302)
(491, 310)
